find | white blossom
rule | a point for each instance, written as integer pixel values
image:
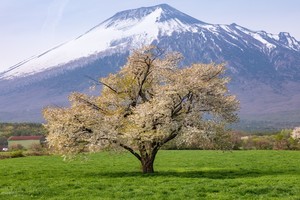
(296, 133)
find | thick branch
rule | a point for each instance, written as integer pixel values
(170, 137)
(123, 145)
(131, 151)
(178, 106)
(148, 61)
(141, 94)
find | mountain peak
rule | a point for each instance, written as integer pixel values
(166, 13)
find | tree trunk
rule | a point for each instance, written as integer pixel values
(147, 165)
(147, 158)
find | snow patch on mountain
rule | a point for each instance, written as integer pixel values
(289, 41)
(257, 36)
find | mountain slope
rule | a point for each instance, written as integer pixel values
(265, 67)
(126, 29)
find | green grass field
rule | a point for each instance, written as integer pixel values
(179, 175)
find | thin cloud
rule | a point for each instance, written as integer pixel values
(54, 16)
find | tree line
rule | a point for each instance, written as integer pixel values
(240, 140)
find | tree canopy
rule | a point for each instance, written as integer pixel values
(149, 102)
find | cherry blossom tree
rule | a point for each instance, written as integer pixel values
(149, 102)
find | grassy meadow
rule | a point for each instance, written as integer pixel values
(179, 175)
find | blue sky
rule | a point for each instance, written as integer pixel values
(29, 27)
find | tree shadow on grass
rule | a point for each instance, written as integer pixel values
(210, 174)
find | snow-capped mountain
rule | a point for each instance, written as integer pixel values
(259, 62)
(133, 28)
(127, 29)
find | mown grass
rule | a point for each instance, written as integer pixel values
(179, 175)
